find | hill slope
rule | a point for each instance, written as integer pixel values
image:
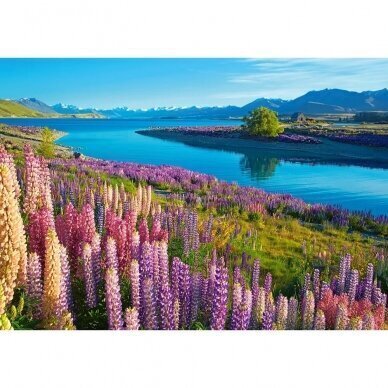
(14, 109)
(37, 105)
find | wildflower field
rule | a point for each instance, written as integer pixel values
(92, 244)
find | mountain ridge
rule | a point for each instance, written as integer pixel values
(314, 102)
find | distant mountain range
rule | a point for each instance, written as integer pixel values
(327, 101)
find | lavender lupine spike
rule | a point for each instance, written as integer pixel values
(219, 308)
(353, 283)
(165, 297)
(184, 294)
(236, 302)
(176, 314)
(308, 311)
(319, 321)
(90, 285)
(268, 316)
(148, 305)
(369, 282)
(132, 319)
(113, 300)
(135, 284)
(292, 314)
(255, 290)
(196, 281)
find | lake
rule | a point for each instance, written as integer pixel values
(353, 187)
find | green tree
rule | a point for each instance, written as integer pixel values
(263, 122)
(47, 147)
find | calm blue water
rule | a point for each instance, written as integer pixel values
(352, 187)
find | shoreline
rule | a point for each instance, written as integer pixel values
(327, 152)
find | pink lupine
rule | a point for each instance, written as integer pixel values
(34, 282)
(113, 299)
(143, 231)
(132, 319)
(111, 254)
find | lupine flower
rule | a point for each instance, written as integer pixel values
(281, 312)
(268, 283)
(34, 284)
(368, 322)
(369, 282)
(219, 307)
(260, 308)
(319, 321)
(341, 320)
(135, 284)
(113, 299)
(308, 311)
(111, 254)
(132, 319)
(90, 285)
(292, 314)
(255, 289)
(66, 300)
(148, 305)
(51, 279)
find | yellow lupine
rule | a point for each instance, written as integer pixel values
(52, 277)
(12, 237)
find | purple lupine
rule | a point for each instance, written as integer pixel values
(164, 299)
(196, 281)
(268, 317)
(316, 284)
(132, 319)
(255, 289)
(369, 282)
(353, 283)
(319, 321)
(34, 282)
(219, 308)
(175, 269)
(148, 305)
(343, 274)
(308, 311)
(184, 294)
(135, 284)
(113, 300)
(90, 285)
(292, 314)
(176, 314)
(306, 285)
(236, 302)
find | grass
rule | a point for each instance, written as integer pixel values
(13, 109)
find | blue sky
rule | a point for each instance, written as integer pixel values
(145, 83)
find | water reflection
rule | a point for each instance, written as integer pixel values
(260, 167)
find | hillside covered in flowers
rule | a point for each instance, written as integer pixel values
(92, 244)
